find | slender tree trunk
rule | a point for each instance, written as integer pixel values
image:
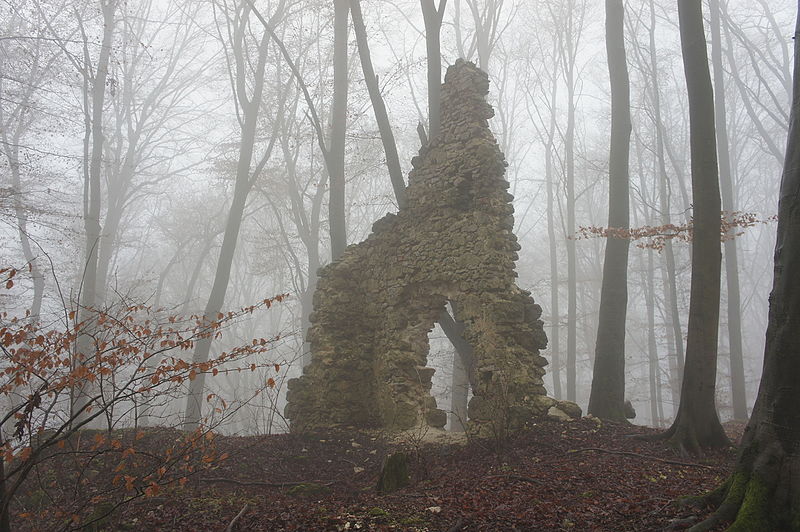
(108, 245)
(216, 298)
(176, 256)
(572, 277)
(738, 396)
(768, 138)
(659, 399)
(664, 205)
(607, 399)
(463, 370)
(674, 379)
(12, 132)
(22, 227)
(195, 275)
(762, 492)
(460, 395)
(92, 198)
(555, 314)
(697, 425)
(432, 17)
(5, 518)
(336, 206)
(308, 228)
(381, 115)
(652, 346)
(486, 21)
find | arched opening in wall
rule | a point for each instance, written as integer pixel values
(451, 387)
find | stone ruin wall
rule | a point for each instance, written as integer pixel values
(374, 307)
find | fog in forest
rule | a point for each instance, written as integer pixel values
(169, 165)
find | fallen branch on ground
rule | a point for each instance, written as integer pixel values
(518, 477)
(266, 484)
(646, 457)
(230, 526)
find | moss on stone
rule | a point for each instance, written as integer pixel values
(412, 521)
(394, 474)
(308, 489)
(377, 512)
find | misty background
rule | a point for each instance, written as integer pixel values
(197, 95)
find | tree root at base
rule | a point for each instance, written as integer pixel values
(749, 502)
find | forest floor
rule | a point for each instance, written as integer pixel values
(579, 476)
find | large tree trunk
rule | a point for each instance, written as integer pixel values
(336, 205)
(607, 399)
(762, 493)
(738, 395)
(697, 424)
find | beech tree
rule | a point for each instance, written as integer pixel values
(572, 18)
(433, 16)
(142, 349)
(543, 114)
(761, 494)
(249, 105)
(378, 105)
(734, 327)
(27, 66)
(95, 76)
(697, 424)
(675, 331)
(607, 399)
(336, 198)
(146, 98)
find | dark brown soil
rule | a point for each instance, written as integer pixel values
(579, 476)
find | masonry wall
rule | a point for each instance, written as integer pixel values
(374, 308)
